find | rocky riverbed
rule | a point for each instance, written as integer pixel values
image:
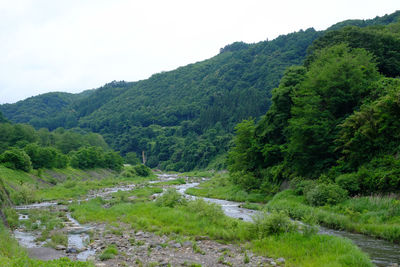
(135, 247)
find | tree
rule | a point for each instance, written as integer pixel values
(335, 85)
(16, 159)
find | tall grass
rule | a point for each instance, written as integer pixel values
(374, 216)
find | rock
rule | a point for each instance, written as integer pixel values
(187, 244)
(273, 263)
(60, 247)
(280, 260)
(71, 250)
(140, 233)
(176, 245)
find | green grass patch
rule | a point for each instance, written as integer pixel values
(109, 253)
(195, 219)
(171, 182)
(220, 187)
(314, 250)
(374, 216)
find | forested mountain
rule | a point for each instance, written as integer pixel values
(181, 119)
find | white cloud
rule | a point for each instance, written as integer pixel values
(74, 45)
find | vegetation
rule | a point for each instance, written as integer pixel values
(199, 218)
(334, 119)
(23, 148)
(374, 216)
(221, 187)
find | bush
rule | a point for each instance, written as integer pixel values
(16, 159)
(276, 222)
(323, 194)
(349, 182)
(301, 187)
(170, 198)
(142, 170)
(211, 211)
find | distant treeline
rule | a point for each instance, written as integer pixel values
(22, 147)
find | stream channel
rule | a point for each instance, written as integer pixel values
(381, 252)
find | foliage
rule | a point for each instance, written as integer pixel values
(16, 159)
(142, 170)
(182, 119)
(274, 223)
(349, 182)
(335, 117)
(94, 157)
(323, 194)
(170, 198)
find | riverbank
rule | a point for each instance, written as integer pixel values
(158, 230)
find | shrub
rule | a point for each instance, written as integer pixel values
(170, 198)
(142, 170)
(16, 159)
(109, 253)
(349, 182)
(276, 222)
(300, 186)
(11, 217)
(211, 211)
(323, 194)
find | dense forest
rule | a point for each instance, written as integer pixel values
(334, 119)
(184, 119)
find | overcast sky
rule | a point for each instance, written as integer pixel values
(73, 45)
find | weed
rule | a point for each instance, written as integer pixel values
(109, 253)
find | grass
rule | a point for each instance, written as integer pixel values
(109, 253)
(60, 184)
(219, 186)
(171, 182)
(199, 219)
(374, 216)
(314, 250)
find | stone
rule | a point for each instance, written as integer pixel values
(176, 245)
(71, 250)
(273, 263)
(140, 233)
(187, 243)
(60, 247)
(280, 260)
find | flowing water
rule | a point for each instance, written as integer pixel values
(382, 253)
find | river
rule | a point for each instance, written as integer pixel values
(381, 252)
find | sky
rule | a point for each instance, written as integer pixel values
(74, 45)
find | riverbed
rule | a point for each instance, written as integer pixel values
(381, 252)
